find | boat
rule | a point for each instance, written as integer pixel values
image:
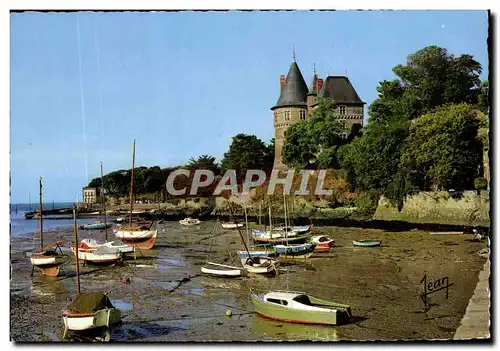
(268, 252)
(189, 221)
(120, 220)
(48, 260)
(366, 243)
(297, 307)
(100, 255)
(295, 251)
(115, 244)
(231, 225)
(323, 243)
(95, 225)
(261, 265)
(141, 235)
(297, 229)
(221, 270)
(29, 215)
(274, 236)
(90, 310)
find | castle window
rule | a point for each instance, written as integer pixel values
(302, 115)
(342, 110)
(287, 115)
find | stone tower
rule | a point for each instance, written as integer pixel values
(290, 108)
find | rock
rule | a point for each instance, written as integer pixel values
(229, 313)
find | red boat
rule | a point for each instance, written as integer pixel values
(323, 243)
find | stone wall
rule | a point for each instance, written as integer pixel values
(440, 207)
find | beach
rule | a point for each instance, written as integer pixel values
(168, 299)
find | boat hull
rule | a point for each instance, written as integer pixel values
(286, 314)
(145, 239)
(282, 240)
(90, 255)
(232, 225)
(371, 243)
(218, 272)
(82, 321)
(48, 265)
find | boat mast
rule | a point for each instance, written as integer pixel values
(246, 218)
(103, 200)
(132, 187)
(270, 221)
(284, 208)
(40, 212)
(75, 229)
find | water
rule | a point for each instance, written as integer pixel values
(19, 225)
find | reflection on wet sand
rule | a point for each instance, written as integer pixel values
(48, 286)
(264, 328)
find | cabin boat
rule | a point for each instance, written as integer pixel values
(115, 244)
(366, 243)
(95, 225)
(139, 236)
(231, 225)
(100, 255)
(189, 221)
(90, 310)
(221, 270)
(296, 307)
(295, 251)
(323, 243)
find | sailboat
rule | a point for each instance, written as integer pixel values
(109, 246)
(48, 260)
(89, 310)
(142, 236)
(218, 269)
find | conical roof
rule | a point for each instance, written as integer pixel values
(295, 90)
(314, 83)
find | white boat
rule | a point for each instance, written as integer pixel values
(115, 244)
(221, 270)
(189, 221)
(231, 225)
(140, 236)
(260, 265)
(296, 229)
(120, 220)
(102, 254)
(90, 310)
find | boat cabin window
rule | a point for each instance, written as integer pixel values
(277, 301)
(304, 299)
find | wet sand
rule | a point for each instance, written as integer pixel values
(168, 299)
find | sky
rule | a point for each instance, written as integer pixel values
(84, 85)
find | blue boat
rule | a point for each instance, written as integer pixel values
(367, 243)
(295, 250)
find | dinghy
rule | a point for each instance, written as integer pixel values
(298, 307)
(366, 243)
(97, 225)
(188, 222)
(261, 265)
(323, 243)
(100, 255)
(231, 225)
(90, 310)
(115, 244)
(221, 270)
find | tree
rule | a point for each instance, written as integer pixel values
(204, 162)
(314, 142)
(483, 97)
(442, 150)
(246, 152)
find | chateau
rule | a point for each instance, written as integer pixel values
(297, 101)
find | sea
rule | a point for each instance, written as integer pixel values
(19, 225)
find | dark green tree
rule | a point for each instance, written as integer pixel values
(204, 162)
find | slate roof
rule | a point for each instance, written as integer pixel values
(312, 88)
(340, 90)
(295, 90)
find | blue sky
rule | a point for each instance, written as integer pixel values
(182, 84)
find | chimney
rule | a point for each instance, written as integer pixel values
(319, 84)
(282, 81)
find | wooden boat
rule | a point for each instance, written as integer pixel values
(97, 225)
(48, 260)
(100, 255)
(221, 270)
(297, 307)
(323, 243)
(261, 265)
(295, 251)
(115, 244)
(90, 310)
(231, 225)
(366, 243)
(188, 222)
(140, 235)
